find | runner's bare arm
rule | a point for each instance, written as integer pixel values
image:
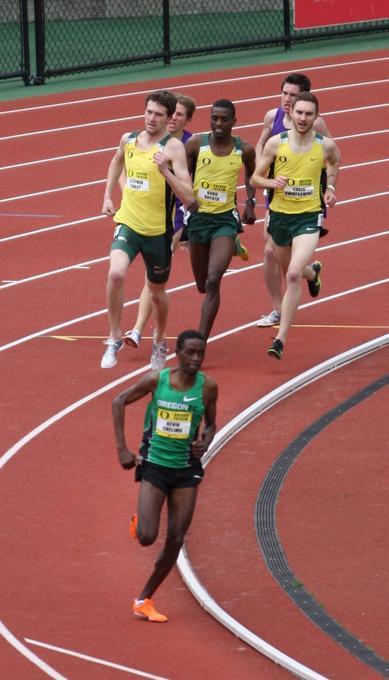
(260, 175)
(332, 160)
(266, 133)
(210, 392)
(321, 127)
(178, 177)
(114, 171)
(147, 384)
(248, 216)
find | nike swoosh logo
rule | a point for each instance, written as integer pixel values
(190, 398)
(310, 228)
(197, 477)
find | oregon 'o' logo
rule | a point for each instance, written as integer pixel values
(282, 159)
(130, 154)
(291, 182)
(205, 185)
(165, 415)
(130, 173)
(206, 161)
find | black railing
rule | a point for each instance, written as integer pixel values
(14, 40)
(97, 34)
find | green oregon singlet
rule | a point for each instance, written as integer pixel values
(171, 422)
(147, 201)
(216, 177)
(303, 170)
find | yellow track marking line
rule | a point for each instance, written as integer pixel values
(99, 337)
(174, 337)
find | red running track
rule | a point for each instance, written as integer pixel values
(69, 572)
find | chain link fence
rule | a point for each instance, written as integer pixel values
(72, 36)
(14, 40)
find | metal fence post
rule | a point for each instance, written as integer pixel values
(25, 43)
(166, 31)
(287, 37)
(39, 15)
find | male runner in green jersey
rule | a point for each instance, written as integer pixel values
(169, 463)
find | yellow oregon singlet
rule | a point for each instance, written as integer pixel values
(216, 177)
(302, 190)
(147, 200)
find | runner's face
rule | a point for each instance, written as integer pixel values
(191, 355)
(156, 118)
(178, 120)
(288, 95)
(221, 122)
(303, 116)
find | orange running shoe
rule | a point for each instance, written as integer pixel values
(133, 526)
(147, 611)
(241, 250)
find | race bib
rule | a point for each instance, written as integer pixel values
(173, 424)
(212, 192)
(138, 181)
(299, 188)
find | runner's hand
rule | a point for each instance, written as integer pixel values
(127, 459)
(108, 207)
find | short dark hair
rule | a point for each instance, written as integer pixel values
(188, 103)
(225, 104)
(188, 335)
(163, 98)
(298, 79)
(306, 97)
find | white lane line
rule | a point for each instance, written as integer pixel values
(112, 121)
(13, 450)
(44, 275)
(238, 423)
(69, 187)
(96, 660)
(53, 191)
(113, 148)
(22, 649)
(212, 83)
(64, 225)
(86, 264)
(58, 158)
(91, 315)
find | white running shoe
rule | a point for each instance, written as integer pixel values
(109, 359)
(133, 338)
(269, 319)
(158, 355)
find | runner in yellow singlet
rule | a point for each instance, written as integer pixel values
(276, 121)
(155, 165)
(296, 204)
(215, 161)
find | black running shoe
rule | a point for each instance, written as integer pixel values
(276, 349)
(314, 286)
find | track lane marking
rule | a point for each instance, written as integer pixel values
(69, 187)
(212, 83)
(86, 265)
(112, 121)
(113, 148)
(94, 659)
(50, 330)
(13, 450)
